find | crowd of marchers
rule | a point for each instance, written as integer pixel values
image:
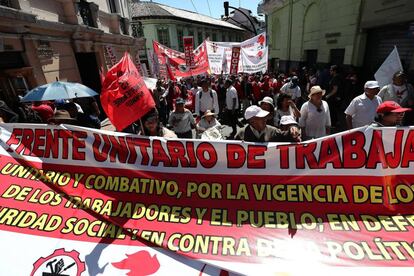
(276, 107)
(258, 108)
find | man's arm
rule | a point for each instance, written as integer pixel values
(333, 92)
(197, 103)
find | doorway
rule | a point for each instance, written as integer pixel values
(88, 70)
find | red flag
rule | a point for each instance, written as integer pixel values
(125, 97)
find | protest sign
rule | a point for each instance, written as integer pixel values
(114, 203)
(390, 66)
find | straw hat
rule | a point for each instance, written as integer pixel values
(315, 90)
(208, 113)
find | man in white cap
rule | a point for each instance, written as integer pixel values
(363, 108)
(258, 131)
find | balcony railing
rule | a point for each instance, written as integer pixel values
(6, 3)
(124, 26)
(85, 12)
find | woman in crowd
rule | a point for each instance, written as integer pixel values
(285, 107)
(315, 119)
(207, 121)
(267, 104)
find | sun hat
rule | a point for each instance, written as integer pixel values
(61, 116)
(287, 120)
(315, 90)
(267, 100)
(208, 113)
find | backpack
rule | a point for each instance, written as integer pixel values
(201, 95)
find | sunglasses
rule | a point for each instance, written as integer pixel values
(319, 110)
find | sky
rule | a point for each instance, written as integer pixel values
(216, 6)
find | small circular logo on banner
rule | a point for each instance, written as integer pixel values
(60, 263)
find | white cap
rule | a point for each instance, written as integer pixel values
(371, 84)
(287, 120)
(254, 111)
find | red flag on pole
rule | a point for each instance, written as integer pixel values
(125, 97)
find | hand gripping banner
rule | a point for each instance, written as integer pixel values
(75, 201)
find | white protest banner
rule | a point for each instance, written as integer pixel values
(219, 53)
(78, 201)
(388, 68)
(216, 58)
(253, 61)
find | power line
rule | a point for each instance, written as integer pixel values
(194, 6)
(209, 10)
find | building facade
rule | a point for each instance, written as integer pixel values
(67, 40)
(360, 33)
(168, 25)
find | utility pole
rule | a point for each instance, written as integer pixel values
(226, 13)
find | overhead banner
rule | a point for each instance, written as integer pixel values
(219, 53)
(74, 201)
(176, 61)
(254, 61)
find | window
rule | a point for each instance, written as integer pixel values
(180, 40)
(163, 36)
(230, 38)
(112, 6)
(214, 37)
(200, 37)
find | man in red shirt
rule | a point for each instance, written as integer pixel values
(257, 95)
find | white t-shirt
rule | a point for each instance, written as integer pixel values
(315, 122)
(293, 92)
(230, 95)
(363, 110)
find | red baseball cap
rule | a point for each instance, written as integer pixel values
(391, 106)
